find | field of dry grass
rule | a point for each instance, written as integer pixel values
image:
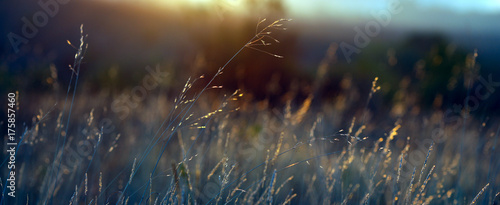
(210, 146)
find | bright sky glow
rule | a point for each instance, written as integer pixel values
(360, 7)
(311, 7)
(479, 6)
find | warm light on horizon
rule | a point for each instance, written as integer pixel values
(319, 7)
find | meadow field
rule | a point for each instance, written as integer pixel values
(243, 109)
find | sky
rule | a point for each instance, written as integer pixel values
(360, 7)
(309, 7)
(480, 6)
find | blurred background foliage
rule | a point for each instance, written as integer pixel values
(418, 51)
